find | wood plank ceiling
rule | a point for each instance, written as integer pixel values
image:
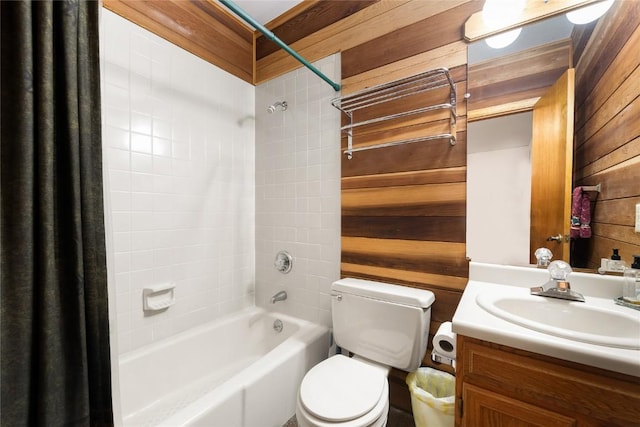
(210, 32)
(199, 26)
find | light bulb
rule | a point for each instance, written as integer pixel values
(499, 14)
(503, 39)
(590, 13)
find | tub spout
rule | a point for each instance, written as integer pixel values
(280, 296)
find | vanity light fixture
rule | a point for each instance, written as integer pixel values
(590, 13)
(503, 39)
(497, 12)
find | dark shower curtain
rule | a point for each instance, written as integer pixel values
(54, 318)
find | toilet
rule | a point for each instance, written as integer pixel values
(383, 326)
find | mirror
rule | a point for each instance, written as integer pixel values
(499, 136)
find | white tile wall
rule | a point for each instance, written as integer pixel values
(298, 190)
(179, 152)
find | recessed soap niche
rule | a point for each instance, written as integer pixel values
(158, 298)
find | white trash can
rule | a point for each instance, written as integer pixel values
(432, 397)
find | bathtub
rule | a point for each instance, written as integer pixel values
(235, 372)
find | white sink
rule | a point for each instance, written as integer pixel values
(577, 321)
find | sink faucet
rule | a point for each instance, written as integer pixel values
(558, 286)
(280, 296)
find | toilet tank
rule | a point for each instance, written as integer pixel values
(386, 323)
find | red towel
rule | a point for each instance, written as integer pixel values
(580, 215)
(576, 209)
(585, 216)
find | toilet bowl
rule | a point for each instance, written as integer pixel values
(383, 326)
(344, 392)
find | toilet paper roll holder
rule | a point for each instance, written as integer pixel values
(438, 358)
(443, 345)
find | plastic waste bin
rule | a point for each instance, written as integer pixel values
(432, 397)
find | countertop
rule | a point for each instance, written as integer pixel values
(473, 321)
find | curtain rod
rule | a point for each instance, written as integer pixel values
(268, 34)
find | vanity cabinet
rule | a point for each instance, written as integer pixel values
(499, 386)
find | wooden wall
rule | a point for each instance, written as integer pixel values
(607, 130)
(513, 83)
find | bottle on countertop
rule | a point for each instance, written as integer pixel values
(631, 287)
(615, 263)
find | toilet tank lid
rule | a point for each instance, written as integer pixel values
(385, 291)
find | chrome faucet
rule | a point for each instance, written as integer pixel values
(280, 296)
(558, 286)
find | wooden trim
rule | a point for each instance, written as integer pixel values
(502, 109)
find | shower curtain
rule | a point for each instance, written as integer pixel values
(54, 315)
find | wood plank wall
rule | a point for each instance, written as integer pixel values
(404, 207)
(513, 83)
(607, 131)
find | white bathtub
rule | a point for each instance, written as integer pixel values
(234, 372)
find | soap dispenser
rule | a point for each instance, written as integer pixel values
(615, 263)
(631, 287)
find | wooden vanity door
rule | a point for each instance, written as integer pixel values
(551, 168)
(484, 408)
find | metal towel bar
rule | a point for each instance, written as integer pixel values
(394, 91)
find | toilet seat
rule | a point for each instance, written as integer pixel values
(341, 391)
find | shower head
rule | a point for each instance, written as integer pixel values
(272, 108)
